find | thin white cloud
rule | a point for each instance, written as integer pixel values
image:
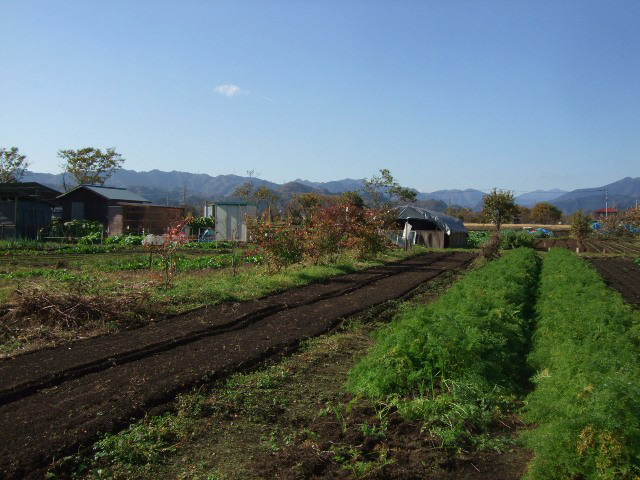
(228, 90)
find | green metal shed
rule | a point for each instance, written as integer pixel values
(25, 208)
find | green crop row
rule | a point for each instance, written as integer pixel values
(509, 239)
(111, 244)
(182, 262)
(58, 274)
(33, 247)
(587, 397)
(460, 360)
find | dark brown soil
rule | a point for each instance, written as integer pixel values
(58, 400)
(590, 245)
(621, 274)
(332, 449)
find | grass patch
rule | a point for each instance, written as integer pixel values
(253, 282)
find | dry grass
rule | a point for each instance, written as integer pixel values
(38, 315)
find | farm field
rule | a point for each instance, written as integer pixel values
(293, 419)
(585, 401)
(454, 413)
(97, 385)
(592, 245)
(54, 294)
(457, 396)
(621, 275)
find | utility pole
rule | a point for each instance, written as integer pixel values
(184, 194)
(606, 203)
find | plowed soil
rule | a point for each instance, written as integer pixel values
(621, 274)
(55, 401)
(415, 455)
(590, 245)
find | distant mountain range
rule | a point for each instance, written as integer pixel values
(172, 187)
(529, 199)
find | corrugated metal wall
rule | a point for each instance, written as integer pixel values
(230, 221)
(23, 218)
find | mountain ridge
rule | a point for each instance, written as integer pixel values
(172, 187)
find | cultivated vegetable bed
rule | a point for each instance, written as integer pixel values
(587, 397)
(460, 364)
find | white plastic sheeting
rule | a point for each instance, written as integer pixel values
(444, 222)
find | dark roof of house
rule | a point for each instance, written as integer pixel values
(444, 222)
(111, 193)
(29, 190)
(154, 205)
(234, 202)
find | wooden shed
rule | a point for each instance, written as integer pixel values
(91, 202)
(142, 218)
(118, 209)
(432, 229)
(25, 209)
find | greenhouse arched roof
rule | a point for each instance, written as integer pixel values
(444, 222)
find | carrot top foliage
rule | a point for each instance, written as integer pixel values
(587, 397)
(460, 359)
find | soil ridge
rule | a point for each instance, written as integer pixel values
(26, 374)
(57, 421)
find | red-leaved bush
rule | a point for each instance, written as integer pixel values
(281, 245)
(333, 229)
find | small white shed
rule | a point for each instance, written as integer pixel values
(230, 219)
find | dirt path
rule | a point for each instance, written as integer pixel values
(58, 400)
(621, 274)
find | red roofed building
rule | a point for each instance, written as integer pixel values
(603, 212)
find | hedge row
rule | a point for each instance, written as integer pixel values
(586, 403)
(460, 357)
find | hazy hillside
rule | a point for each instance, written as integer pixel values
(468, 198)
(529, 199)
(159, 184)
(336, 186)
(170, 187)
(622, 194)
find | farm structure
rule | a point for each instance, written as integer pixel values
(139, 218)
(604, 212)
(432, 229)
(118, 209)
(230, 219)
(25, 208)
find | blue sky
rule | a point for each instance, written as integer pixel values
(446, 94)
